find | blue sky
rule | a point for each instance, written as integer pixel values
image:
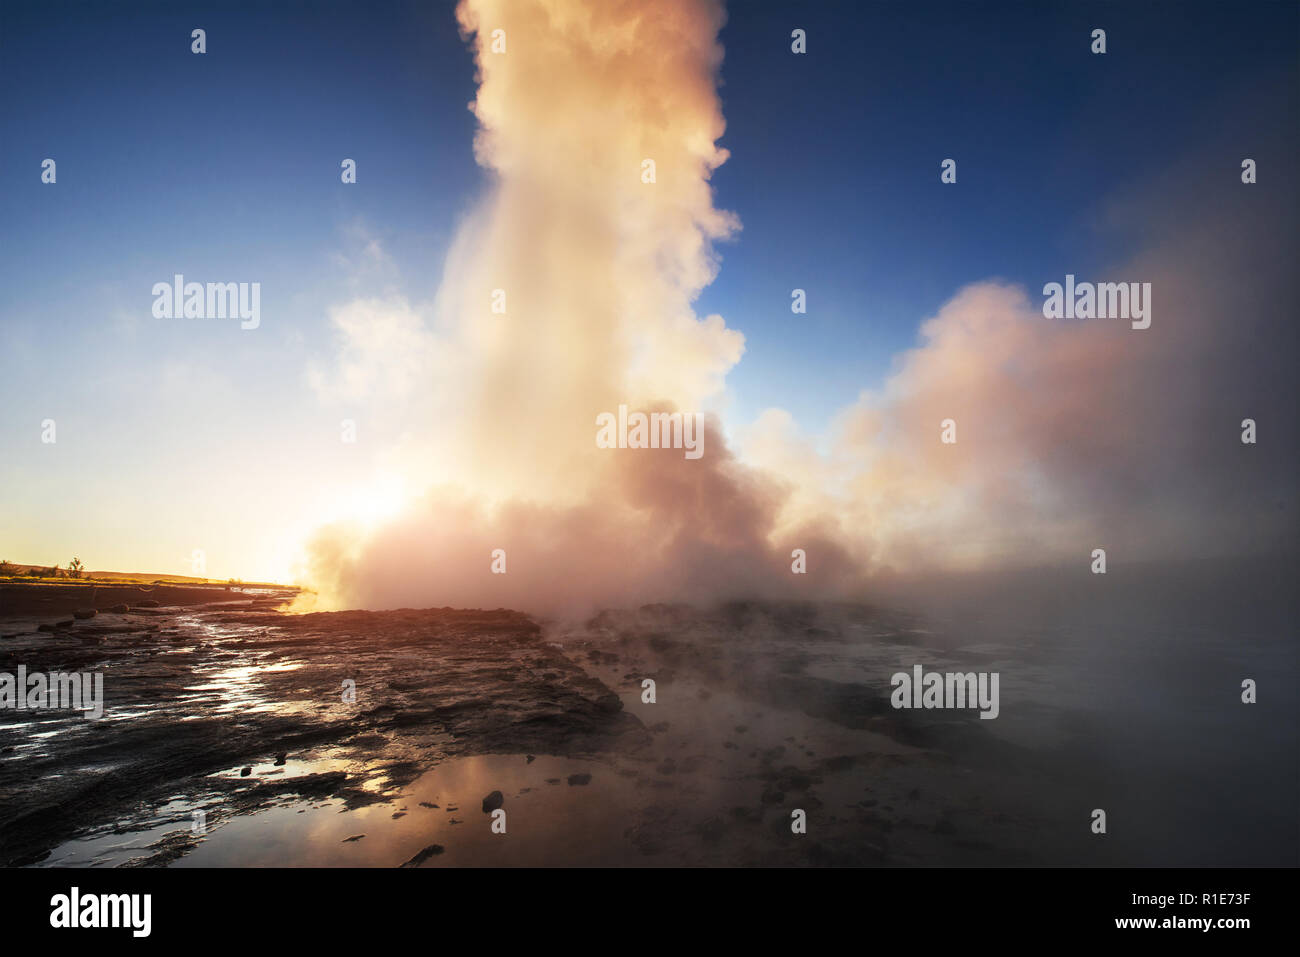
(226, 166)
(843, 196)
(228, 161)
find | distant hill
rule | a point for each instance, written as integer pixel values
(19, 570)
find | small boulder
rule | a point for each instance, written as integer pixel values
(493, 801)
(424, 855)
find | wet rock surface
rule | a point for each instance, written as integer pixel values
(192, 695)
(770, 741)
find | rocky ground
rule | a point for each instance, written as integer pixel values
(387, 738)
(194, 692)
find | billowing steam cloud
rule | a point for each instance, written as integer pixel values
(597, 269)
(1071, 435)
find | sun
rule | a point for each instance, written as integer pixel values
(373, 504)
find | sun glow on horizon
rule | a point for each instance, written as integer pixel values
(372, 504)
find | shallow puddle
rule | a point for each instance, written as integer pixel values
(548, 819)
(543, 821)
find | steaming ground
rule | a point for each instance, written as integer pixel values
(1127, 700)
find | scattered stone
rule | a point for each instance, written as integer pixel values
(84, 613)
(120, 609)
(354, 837)
(493, 801)
(280, 758)
(427, 804)
(424, 855)
(530, 758)
(245, 772)
(579, 779)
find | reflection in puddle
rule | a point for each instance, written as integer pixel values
(226, 688)
(544, 823)
(546, 820)
(751, 725)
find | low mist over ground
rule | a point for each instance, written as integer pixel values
(378, 738)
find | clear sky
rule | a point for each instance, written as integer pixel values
(225, 167)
